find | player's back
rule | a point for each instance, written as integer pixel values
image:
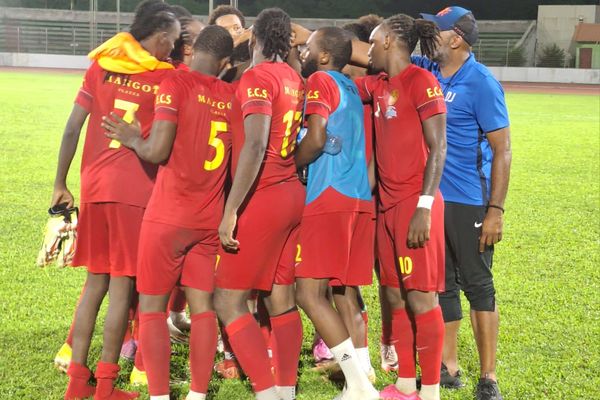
(189, 187)
(275, 89)
(110, 172)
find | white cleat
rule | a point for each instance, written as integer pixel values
(389, 358)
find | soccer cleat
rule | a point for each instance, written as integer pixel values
(129, 349)
(63, 357)
(181, 321)
(487, 389)
(389, 358)
(228, 369)
(177, 336)
(371, 375)
(321, 352)
(391, 392)
(450, 381)
(138, 378)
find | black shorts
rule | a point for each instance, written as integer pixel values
(466, 268)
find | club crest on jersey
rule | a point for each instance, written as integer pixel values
(390, 111)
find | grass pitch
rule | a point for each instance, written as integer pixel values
(546, 268)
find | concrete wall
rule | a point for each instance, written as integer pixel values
(547, 75)
(43, 61)
(556, 24)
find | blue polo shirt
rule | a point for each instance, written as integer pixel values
(476, 106)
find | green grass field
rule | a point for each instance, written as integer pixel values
(546, 268)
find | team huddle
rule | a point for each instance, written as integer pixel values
(244, 173)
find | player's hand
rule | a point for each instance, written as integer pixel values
(242, 37)
(117, 129)
(226, 229)
(418, 229)
(491, 229)
(300, 35)
(62, 195)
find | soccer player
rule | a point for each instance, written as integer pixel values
(410, 148)
(264, 209)
(474, 186)
(179, 239)
(336, 236)
(115, 185)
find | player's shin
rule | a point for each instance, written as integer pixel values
(156, 351)
(287, 340)
(403, 337)
(430, 339)
(203, 345)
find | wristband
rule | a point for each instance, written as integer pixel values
(425, 202)
(497, 207)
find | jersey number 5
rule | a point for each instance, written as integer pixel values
(289, 118)
(216, 127)
(130, 109)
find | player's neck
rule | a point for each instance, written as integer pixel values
(454, 63)
(205, 65)
(258, 57)
(396, 65)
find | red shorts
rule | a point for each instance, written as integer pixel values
(107, 238)
(169, 255)
(337, 246)
(267, 231)
(417, 269)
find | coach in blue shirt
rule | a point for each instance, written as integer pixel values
(474, 185)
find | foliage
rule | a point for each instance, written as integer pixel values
(552, 56)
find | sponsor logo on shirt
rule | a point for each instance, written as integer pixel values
(257, 93)
(131, 84)
(221, 105)
(434, 92)
(450, 97)
(163, 99)
(312, 95)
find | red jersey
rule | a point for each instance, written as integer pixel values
(111, 172)
(276, 90)
(401, 103)
(323, 98)
(189, 190)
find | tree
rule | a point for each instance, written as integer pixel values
(552, 56)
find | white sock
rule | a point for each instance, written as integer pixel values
(268, 394)
(287, 392)
(177, 316)
(195, 396)
(345, 355)
(430, 392)
(229, 355)
(407, 385)
(163, 397)
(365, 359)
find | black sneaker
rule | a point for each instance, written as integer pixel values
(487, 389)
(450, 381)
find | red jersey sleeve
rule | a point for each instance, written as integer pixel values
(322, 95)
(168, 99)
(256, 92)
(85, 96)
(427, 95)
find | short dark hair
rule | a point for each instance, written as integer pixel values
(337, 43)
(359, 31)
(273, 29)
(181, 11)
(225, 10)
(214, 40)
(151, 16)
(370, 22)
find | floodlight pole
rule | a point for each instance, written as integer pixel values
(234, 3)
(210, 6)
(118, 15)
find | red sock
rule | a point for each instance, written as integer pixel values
(386, 333)
(251, 351)
(135, 325)
(264, 320)
(177, 301)
(156, 351)
(78, 387)
(138, 361)
(365, 316)
(287, 342)
(203, 346)
(225, 338)
(106, 374)
(403, 337)
(430, 341)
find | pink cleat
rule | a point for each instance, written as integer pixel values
(391, 392)
(321, 352)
